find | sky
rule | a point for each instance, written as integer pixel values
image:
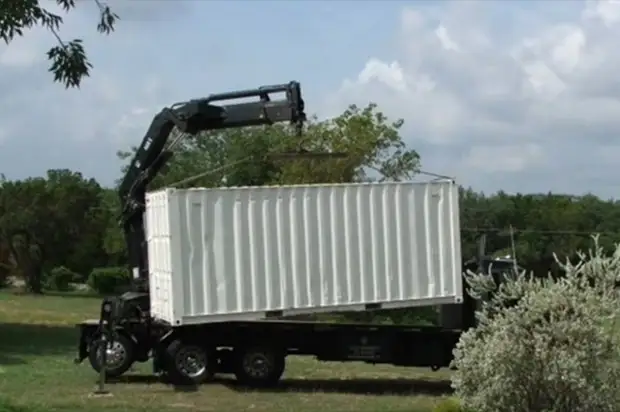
(514, 96)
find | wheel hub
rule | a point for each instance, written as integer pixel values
(192, 362)
(257, 365)
(115, 354)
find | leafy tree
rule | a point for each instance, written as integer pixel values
(241, 157)
(6, 265)
(49, 222)
(113, 240)
(23, 205)
(68, 60)
(373, 144)
(547, 223)
(78, 221)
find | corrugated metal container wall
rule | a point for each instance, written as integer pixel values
(253, 252)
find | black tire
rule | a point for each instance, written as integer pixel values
(119, 358)
(259, 367)
(188, 364)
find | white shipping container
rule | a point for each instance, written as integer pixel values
(249, 253)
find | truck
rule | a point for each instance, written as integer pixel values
(157, 320)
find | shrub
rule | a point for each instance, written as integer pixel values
(108, 280)
(548, 345)
(59, 279)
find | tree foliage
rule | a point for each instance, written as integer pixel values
(109, 280)
(50, 222)
(545, 344)
(69, 63)
(60, 279)
(240, 157)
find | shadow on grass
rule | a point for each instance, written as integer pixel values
(404, 387)
(149, 380)
(74, 294)
(18, 341)
(6, 360)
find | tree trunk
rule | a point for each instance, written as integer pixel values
(33, 281)
(28, 260)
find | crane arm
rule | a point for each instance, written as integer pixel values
(193, 117)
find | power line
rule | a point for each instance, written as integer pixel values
(537, 231)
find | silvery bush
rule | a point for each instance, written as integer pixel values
(544, 344)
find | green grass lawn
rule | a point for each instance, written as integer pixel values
(38, 342)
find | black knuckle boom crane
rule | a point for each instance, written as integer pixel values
(193, 117)
(194, 353)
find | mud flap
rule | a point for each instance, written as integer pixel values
(87, 330)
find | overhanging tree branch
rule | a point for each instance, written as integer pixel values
(69, 62)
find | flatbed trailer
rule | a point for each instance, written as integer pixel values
(255, 351)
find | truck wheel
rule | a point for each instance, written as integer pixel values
(259, 366)
(188, 363)
(119, 355)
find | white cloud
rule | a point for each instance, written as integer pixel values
(446, 41)
(519, 108)
(607, 11)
